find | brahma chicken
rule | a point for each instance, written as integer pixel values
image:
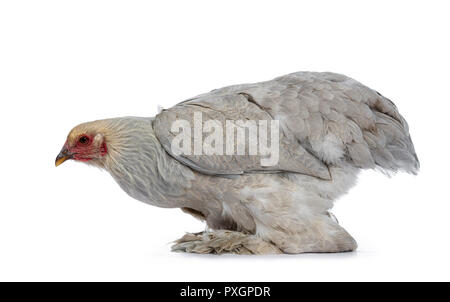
(330, 128)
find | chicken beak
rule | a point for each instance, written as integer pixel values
(63, 156)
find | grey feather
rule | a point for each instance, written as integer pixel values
(293, 157)
(311, 107)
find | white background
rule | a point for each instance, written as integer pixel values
(66, 62)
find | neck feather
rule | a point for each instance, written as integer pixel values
(140, 165)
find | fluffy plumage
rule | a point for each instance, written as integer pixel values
(331, 127)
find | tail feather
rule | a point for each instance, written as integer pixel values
(394, 150)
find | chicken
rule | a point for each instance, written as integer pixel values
(329, 128)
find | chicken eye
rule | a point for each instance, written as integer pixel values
(84, 140)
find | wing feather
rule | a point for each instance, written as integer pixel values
(325, 119)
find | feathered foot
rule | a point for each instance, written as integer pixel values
(223, 241)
